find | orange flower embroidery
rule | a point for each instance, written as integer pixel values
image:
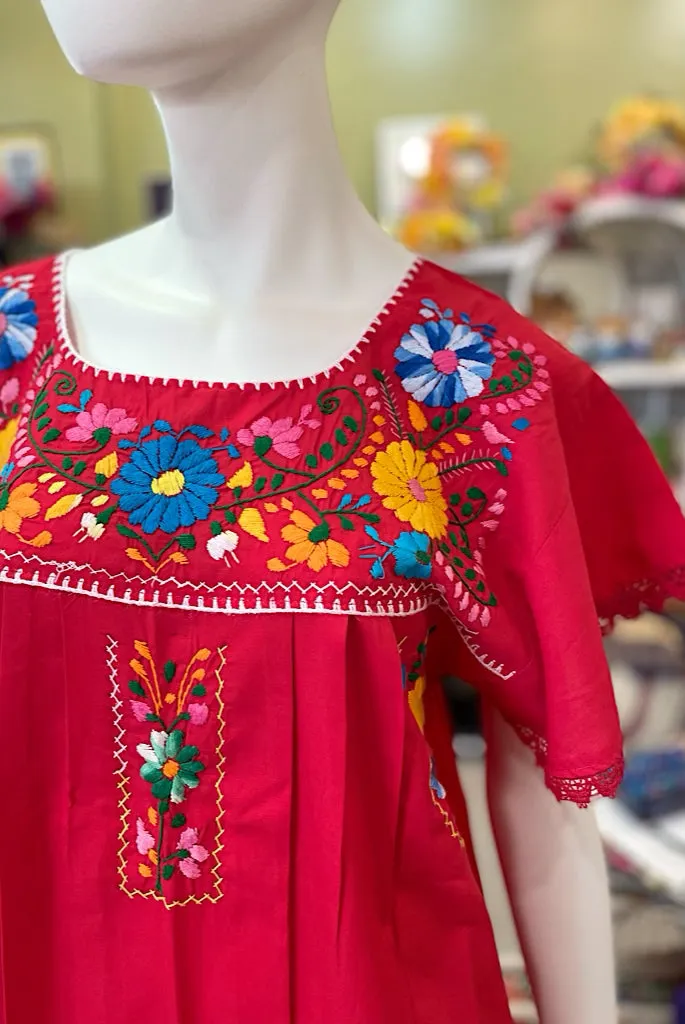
(16, 505)
(310, 542)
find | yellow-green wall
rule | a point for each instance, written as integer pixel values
(540, 70)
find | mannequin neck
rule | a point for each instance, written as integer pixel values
(262, 203)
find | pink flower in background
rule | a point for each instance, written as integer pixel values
(190, 866)
(281, 435)
(140, 710)
(9, 391)
(100, 423)
(144, 840)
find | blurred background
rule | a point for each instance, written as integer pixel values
(537, 147)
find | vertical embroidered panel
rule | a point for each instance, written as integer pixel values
(169, 768)
(414, 684)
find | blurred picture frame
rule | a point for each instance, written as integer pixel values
(28, 163)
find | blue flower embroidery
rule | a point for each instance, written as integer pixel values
(412, 555)
(435, 784)
(18, 322)
(168, 484)
(441, 363)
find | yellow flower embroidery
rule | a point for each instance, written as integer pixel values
(7, 436)
(311, 543)
(411, 488)
(415, 698)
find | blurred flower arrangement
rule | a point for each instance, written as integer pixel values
(455, 200)
(639, 150)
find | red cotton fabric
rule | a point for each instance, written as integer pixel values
(225, 611)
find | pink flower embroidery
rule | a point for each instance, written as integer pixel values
(140, 710)
(199, 713)
(100, 423)
(280, 435)
(190, 866)
(144, 840)
(9, 391)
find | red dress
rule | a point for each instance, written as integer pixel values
(229, 791)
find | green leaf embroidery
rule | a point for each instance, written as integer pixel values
(186, 541)
(262, 445)
(79, 468)
(178, 821)
(44, 422)
(105, 514)
(100, 479)
(135, 687)
(51, 435)
(311, 461)
(215, 528)
(260, 484)
(351, 424)
(436, 422)
(319, 533)
(277, 481)
(199, 690)
(41, 410)
(169, 670)
(346, 523)
(126, 531)
(67, 462)
(341, 437)
(327, 451)
(464, 414)
(167, 871)
(449, 417)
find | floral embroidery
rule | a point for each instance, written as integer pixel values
(170, 766)
(310, 543)
(363, 476)
(18, 326)
(8, 434)
(280, 435)
(169, 723)
(411, 488)
(414, 684)
(98, 424)
(441, 362)
(168, 483)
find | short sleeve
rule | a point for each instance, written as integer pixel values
(562, 522)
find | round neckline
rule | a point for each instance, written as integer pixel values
(69, 349)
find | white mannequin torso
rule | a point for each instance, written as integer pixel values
(270, 269)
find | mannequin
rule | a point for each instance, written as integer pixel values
(266, 238)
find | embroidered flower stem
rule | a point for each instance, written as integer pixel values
(162, 810)
(481, 460)
(143, 651)
(390, 403)
(517, 380)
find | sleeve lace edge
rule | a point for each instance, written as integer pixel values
(580, 790)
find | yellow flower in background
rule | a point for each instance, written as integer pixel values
(411, 488)
(7, 436)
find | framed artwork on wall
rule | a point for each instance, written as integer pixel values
(27, 169)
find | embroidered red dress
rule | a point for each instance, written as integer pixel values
(229, 791)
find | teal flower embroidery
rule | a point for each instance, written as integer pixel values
(170, 766)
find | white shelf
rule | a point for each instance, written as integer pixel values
(627, 374)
